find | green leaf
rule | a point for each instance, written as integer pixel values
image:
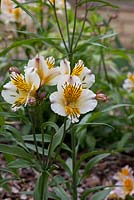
(123, 141)
(117, 106)
(31, 41)
(94, 189)
(7, 170)
(6, 180)
(16, 134)
(84, 157)
(41, 188)
(64, 165)
(32, 147)
(58, 136)
(92, 163)
(50, 124)
(101, 195)
(16, 151)
(60, 192)
(97, 44)
(19, 163)
(106, 3)
(57, 180)
(47, 138)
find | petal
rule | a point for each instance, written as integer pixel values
(87, 101)
(32, 77)
(65, 66)
(39, 64)
(87, 78)
(9, 93)
(73, 119)
(52, 77)
(57, 104)
(68, 79)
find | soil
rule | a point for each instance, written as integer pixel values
(101, 174)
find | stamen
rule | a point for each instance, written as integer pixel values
(50, 62)
(128, 185)
(19, 82)
(78, 68)
(72, 92)
(131, 77)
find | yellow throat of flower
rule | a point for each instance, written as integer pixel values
(128, 185)
(71, 96)
(131, 77)
(78, 68)
(20, 83)
(124, 171)
(17, 13)
(50, 62)
(24, 89)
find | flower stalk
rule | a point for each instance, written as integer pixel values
(74, 158)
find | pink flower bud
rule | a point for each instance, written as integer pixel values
(101, 97)
(32, 101)
(14, 69)
(42, 95)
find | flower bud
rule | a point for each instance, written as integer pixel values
(101, 97)
(42, 95)
(14, 69)
(32, 101)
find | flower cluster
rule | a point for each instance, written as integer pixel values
(129, 82)
(124, 185)
(73, 96)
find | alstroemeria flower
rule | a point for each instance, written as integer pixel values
(71, 99)
(123, 173)
(85, 74)
(60, 4)
(125, 187)
(49, 75)
(11, 14)
(21, 90)
(129, 82)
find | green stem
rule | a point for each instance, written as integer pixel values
(33, 121)
(41, 188)
(59, 28)
(41, 14)
(82, 28)
(44, 186)
(74, 26)
(67, 23)
(74, 156)
(103, 62)
(35, 142)
(49, 153)
(63, 137)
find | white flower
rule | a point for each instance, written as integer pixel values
(71, 99)
(45, 69)
(21, 89)
(125, 187)
(11, 14)
(85, 75)
(129, 82)
(123, 173)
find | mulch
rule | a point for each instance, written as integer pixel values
(101, 174)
